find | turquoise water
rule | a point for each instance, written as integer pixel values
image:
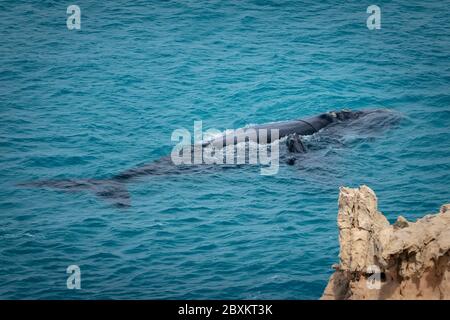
(94, 102)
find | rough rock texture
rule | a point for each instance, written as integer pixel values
(406, 260)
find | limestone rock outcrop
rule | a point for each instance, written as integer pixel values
(377, 260)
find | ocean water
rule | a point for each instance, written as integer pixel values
(93, 102)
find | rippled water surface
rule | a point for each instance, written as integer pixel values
(91, 103)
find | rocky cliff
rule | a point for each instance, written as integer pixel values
(405, 260)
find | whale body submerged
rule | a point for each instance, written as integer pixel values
(115, 190)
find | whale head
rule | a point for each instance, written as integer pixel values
(346, 114)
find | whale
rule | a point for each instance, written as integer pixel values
(115, 191)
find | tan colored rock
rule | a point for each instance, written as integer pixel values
(377, 260)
